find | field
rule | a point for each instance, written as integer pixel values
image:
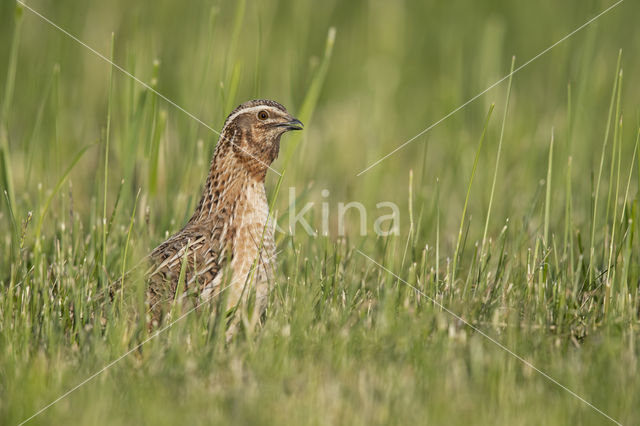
(508, 295)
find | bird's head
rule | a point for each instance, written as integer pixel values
(252, 133)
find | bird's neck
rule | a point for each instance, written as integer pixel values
(226, 186)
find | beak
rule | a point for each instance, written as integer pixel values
(292, 124)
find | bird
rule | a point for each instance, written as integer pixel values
(228, 243)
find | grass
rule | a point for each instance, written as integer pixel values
(525, 226)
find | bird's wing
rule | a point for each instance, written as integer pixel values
(201, 247)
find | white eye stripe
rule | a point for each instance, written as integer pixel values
(253, 109)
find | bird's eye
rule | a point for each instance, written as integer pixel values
(263, 115)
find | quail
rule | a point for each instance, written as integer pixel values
(229, 237)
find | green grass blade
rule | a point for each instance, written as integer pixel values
(6, 175)
(597, 188)
(495, 171)
(547, 199)
(466, 200)
(106, 158)
(311, 99)
(61, 181)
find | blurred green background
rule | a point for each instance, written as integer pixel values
(375, 353)
(396, 68)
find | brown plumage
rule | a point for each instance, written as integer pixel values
(229, 229)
